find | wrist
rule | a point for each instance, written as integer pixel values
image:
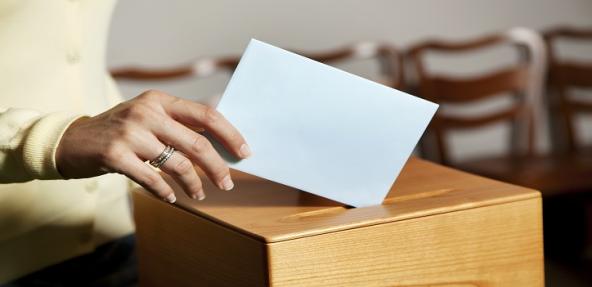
(63, 162)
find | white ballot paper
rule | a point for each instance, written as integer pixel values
(319, 129)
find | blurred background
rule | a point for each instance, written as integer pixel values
(516, 104)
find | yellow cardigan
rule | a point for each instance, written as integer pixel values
(52, 69)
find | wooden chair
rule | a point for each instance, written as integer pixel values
(523, 164)
(200, 68)
(565, 75)
(388, 57)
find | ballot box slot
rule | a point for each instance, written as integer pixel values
(418, 195)
(333, 211)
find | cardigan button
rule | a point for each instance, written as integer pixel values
(73, 57)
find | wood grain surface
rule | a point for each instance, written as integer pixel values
(273, 212)
(437, 227)
(178, 249)
(499, 245)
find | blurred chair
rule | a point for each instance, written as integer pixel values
(522, 164)
(564, 76)
(199, 69)
(388, 58)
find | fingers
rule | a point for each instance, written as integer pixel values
(169, 122)
(147, 177)
(178, 166)
(182, 170)
(198, 148)
(195, 114)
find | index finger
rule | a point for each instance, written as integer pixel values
(198, 115)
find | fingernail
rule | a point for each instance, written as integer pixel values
(171, 198)
(227, 183)
(245, 151)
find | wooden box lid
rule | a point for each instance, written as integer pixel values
(272, 212)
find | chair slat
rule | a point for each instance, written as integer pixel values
(580, 106)
(450, 90)
(573, 74)
(452, 46)
(522, 79)
(456, 122)
(564, 75)
(569, 32)
(134, 73)
(201, 68)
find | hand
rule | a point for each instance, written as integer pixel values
(121, 140)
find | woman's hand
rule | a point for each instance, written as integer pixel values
(124, 137)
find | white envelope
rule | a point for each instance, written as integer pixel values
(319, 129)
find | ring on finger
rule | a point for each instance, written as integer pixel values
(158, 161)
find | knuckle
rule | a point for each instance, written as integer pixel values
(200, 144)
(183, 167)
(150, 95)
(138, 111)
(210, 115)
(133, 112)
(194, 185)
(166, 123)
(176, 100)
(152, 180)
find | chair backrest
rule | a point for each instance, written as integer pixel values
(565, 75)
(524, 80)
(200, 68)
(387, 56)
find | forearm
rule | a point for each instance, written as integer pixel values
(28, 142)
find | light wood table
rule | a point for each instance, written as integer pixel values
(437, 227)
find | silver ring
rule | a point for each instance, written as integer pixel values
(162, 157)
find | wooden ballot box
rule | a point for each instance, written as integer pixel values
(437, 227)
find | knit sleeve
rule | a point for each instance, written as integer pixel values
(28, 143)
